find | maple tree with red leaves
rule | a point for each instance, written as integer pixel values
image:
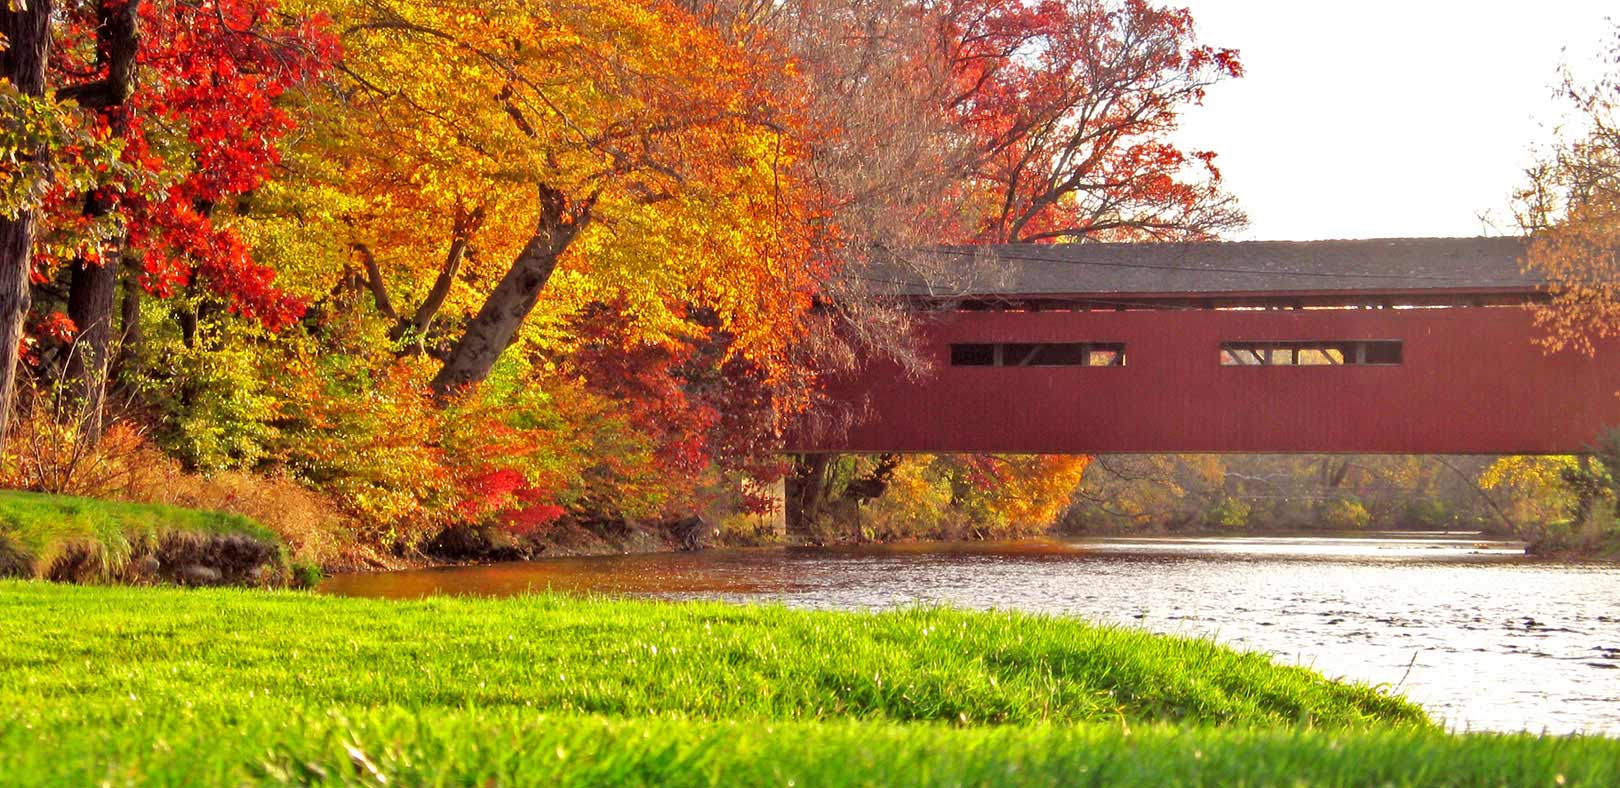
(187, 94)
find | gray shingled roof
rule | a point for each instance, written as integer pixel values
(1388, 265)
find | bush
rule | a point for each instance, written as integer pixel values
(1428, 513)
(1228, 512)
(56, 453)
(1343, 514)
(311, 526)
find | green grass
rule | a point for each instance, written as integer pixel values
(705, 660)
(39, 532)
(161, 686)
(508, 747)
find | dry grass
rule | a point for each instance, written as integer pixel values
(53, 455)
(307, 522)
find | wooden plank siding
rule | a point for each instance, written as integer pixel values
(1471, 381)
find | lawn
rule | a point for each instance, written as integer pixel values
(223, 686)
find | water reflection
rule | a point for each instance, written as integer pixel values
(1483, 637)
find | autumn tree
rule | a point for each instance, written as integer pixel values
(26, 29)
(192, 91)
(1073, 103)
(617, 147)
(1570, 209)
(986, 121)
(169, 109)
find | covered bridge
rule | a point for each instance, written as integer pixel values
(1368, 346)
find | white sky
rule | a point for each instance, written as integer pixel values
(1375, 118)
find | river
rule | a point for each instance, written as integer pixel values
(1480, 635)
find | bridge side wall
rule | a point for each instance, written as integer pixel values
(1471, 382)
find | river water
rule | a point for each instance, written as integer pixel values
(1483, 637)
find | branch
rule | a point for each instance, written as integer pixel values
(374, 281)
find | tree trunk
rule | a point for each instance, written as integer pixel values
(808, 489)
(92, 292)
(93, 287)
(492, 331)
(129, 321)
(420, 321)
(27, 30)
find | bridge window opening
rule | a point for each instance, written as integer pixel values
(1380, 353)
(1039, 354)
(973, 355)
(1110, 354)
(1311, 354)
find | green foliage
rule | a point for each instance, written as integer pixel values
(1428, 514)
(47, 145)
(1228, 513)
(209, 393)
(306, 574)
(1281, 492)
(1343, 514)
(1607, 454)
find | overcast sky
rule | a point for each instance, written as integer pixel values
(1381, 119)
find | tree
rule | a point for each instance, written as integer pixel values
(983, 121)
(188, 112)
(1570, 209)
(1072, 103)
(619, 143)
(93, 282)
(27, 40)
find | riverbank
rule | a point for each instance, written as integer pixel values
(330, 690)
(87, 540)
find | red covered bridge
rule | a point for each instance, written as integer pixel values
(1410, 346)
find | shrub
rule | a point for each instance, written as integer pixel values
(308, 523)
(1344, 514)
(1427, 512)
(1228, 512)
(52, 450)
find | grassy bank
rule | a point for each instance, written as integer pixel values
(226, 686)
(89, 540)
(711, 661)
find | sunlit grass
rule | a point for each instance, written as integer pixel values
(512, 747)
(156, 686)
(37, 531)
(700, 660)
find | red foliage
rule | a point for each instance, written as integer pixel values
(703, 407)
(504, 496)
(1072, 103)
(201, 127)
(644, 377)
(53, 326)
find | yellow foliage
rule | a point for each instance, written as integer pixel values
(1034, 490)
(460, 109)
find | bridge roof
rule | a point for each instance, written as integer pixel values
(1250, 268)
